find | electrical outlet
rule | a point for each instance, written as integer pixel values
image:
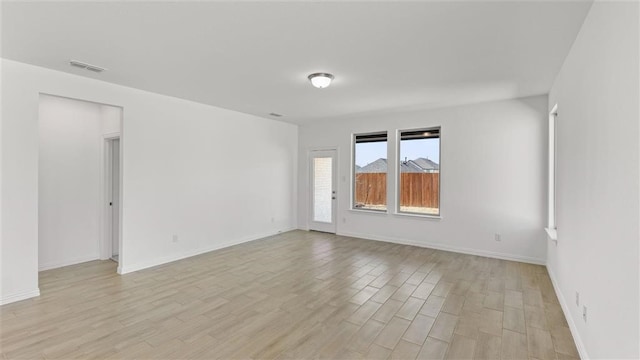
(498, 237)
(577, 299)
(584, 313)
(175, 238)
(344, 220)
(273, 220)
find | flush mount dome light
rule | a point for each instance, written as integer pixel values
(320, 80)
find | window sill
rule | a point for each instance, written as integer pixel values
(422, 216)
(369, 211)
(383, 212)
(552, 234)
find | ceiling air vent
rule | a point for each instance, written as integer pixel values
(77, 64)
(84, 65)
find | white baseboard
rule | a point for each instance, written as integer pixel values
(19, 296)
(79, 260)
(582, 350)
(171, 258)
(457, 249)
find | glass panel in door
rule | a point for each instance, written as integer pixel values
(322, 189)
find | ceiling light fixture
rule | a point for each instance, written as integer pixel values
(321, 80)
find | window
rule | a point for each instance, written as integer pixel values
(370, 172)
(419, 175)
(551, 221)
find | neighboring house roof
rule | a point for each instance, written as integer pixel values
(426, 164)
(418, 165)
(377, 166)
(410, 167)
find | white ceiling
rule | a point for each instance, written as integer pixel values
(254, 57)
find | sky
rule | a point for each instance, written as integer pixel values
(411, 149)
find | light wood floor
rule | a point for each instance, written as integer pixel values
(295, 295)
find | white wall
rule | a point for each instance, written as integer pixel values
(2, 276)
(68, 182)
(493, 178)
(111, 118)
(70, 179)
(597, 92)
(1, 181)
(19, 190)
(213, 177)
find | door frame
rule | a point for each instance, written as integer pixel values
(106, 238)
(336, 183)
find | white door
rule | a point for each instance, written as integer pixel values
(115, 199)
(323, 190)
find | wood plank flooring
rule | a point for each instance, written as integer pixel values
(292, 296)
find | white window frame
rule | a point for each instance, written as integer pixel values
(399, 173)
(353, 172)
(552, 226)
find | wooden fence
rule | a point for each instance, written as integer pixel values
(418, 189)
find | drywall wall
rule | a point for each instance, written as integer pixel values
(110, 120)
(493, 178)
(213, 177)
(19, 291)
(70, 178)
(19, 190)
(597, 92)
(68, 182)
(1, 169)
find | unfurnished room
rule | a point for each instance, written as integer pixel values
(320, 179)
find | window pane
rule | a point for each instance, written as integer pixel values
(370, 173)
(420, 171)
(322, 189)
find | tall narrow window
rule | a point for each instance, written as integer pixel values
(419, 183)
(370, 171)
(551, 221)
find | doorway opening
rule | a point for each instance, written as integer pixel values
(112, 196)
(75, 180)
